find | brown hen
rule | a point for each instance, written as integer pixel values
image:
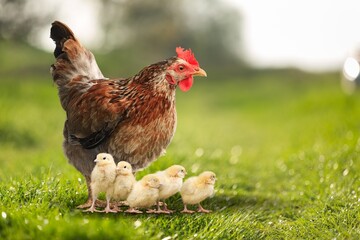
(133, 119)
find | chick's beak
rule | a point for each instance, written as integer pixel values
(96, 160)
(200, 72)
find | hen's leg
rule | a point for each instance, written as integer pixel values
(92, 208)
(116, 208)
(122, 203)
(89, 201)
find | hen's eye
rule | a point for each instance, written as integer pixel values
(181, 67)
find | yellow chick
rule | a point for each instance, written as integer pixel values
(124, 182)
(144, 194)
(196, 189)
(171, 180)
(102, 180)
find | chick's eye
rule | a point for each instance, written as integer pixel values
(124, 166)
(104, 158)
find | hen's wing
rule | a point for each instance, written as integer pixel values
(95, 113)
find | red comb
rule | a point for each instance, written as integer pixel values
(186, 55)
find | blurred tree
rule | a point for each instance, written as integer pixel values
(19, 19)
(140, 32)
(152, 29)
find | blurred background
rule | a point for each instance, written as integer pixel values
(229, 35)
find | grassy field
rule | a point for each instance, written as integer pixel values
(284, 145)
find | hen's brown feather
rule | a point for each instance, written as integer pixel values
(134, 119)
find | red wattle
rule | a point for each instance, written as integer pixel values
(186, 84)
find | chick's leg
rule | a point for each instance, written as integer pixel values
(107, 208)
(166, 209)
(159, 210)
(133, 210)
(202, 210)
(151, 211)
(92, 208)
(186, 210)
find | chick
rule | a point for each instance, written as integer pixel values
(197, 189)
(144, 194)
(124, 182)
(171, 180)
(102, 180)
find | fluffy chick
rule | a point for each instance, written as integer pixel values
(144, 194)
(196, 189)
(124, 182)
(171, 180)
(102, 180)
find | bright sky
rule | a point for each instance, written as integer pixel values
(313, 35)
(309, 34)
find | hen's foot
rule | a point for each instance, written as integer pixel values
(116, 208)
(122, 203)
(87, 204)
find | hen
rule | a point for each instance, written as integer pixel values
(133, 119)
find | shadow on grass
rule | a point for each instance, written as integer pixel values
(260, 206)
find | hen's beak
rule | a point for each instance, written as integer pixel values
(200, 72)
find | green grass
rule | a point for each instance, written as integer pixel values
(284, 145)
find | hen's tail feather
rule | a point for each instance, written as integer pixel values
(60, 33)
(74, 63)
